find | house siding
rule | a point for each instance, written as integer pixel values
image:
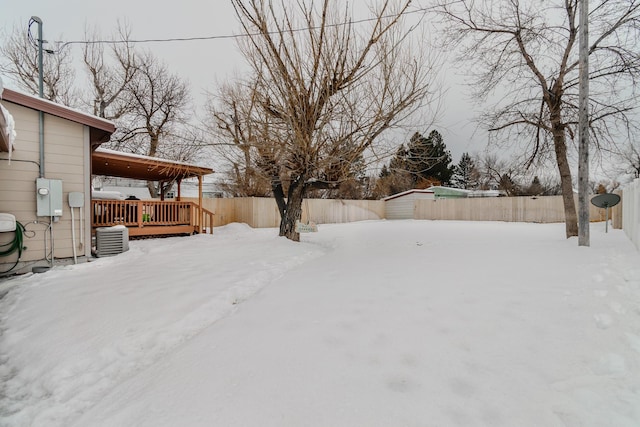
(66, 153)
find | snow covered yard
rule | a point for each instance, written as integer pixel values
(383, 323)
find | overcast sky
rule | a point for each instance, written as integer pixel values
(203, 63)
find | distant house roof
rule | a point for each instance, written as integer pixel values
(100, 129)
(405, 193)
(454, 193)
(449, 192)
(125, 165)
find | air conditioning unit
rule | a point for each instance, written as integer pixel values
(111, 240)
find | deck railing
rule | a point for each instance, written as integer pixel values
(203, 219)
(150, 213)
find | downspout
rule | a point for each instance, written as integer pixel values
(40, 94)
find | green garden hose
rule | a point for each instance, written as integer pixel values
(15, 245)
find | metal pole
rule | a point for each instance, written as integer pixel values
(40, 93)
(40, 69)
(583, 128)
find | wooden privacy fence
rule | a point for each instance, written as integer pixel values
(631, 211)
(261, 212)
(544, 209)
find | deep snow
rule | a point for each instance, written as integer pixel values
(382, 323)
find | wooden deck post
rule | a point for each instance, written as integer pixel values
(200, 216)
(139, 211)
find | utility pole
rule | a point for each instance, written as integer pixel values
(40, 61)
(583, 128)
(40, 92)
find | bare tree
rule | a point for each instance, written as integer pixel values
(110, 75)
(19, 54)
(326, 90)
(529, 50)
(498, 174)
(628, 160)
(157, 122)
(236, 122)
(149, 104)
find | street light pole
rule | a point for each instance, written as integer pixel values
(583, 128)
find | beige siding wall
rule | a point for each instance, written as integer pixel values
(66, 154)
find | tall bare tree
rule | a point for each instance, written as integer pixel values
(529, 51)
(156, 124)
(326, 89)
(628, 160)
(236, 123)
(110, 74)
(19, 60)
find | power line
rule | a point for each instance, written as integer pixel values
(62, 44)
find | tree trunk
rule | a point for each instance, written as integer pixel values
(153, 190)
(570, 214)
(292, 211)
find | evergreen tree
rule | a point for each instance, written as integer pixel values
(465, 173)
(398, 163)
(535, 189)
(429, 158)
(424, 162)
(508, 185)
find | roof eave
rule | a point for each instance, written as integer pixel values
(101, 127)
(406, 193)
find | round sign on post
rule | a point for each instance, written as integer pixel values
(606, 201)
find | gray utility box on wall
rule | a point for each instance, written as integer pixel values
(49, 197)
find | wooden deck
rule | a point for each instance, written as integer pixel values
(151, 217)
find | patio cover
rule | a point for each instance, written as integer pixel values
(123, 165)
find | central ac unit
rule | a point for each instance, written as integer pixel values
(112, 240)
